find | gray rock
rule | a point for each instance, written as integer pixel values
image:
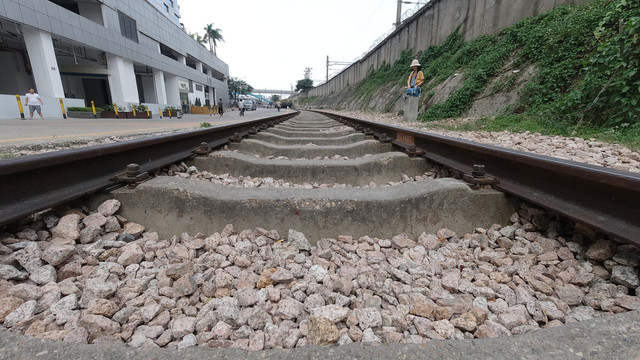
(29, 257)
(126, 237)
(57, 254)
(601, 250)
(8, 272)
(298, 240)
(188, 341)
(67, 228)
(368, 336)
(625, 275)
(184, 286)
(109, 207)
(23, 313)
(322, 331)
(334, 313)
(368, 317)
(183, 326)
(43, 275)
(90, 234)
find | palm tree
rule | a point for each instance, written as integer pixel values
(212, 35)
(199, 39)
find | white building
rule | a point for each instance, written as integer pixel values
(109, 51)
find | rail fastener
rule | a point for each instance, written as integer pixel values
(384, 138)
(202, 150)
(478, 178)
(413, 151)
(236, 138)
(132, 176)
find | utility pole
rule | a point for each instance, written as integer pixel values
(329, 63)
(327, 79)
(398, 13)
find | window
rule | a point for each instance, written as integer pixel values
(171, 2)
(198, 87)
(128, 27)
(166, 7)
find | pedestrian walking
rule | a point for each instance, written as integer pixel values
(33, 100)
(220, 109)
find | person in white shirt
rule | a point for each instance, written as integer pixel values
(32, 98)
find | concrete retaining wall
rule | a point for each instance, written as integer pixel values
(432, 24)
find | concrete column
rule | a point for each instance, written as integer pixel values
(43, 63)
(149, 89)
(173, 94)
(411, 104)
(182, 59)
(199, 66)
(122, 80)
(161, 91)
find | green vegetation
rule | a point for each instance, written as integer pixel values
(205, 125)
(304, 85)
(308, 99)
(7, 155)
(588, 73)
(238, 87)
(587, 80)
(84, 109)
(385, 74)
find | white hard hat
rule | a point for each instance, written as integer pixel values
(415, 63)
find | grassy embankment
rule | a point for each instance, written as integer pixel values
(587, 82)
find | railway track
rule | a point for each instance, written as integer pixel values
(388, 235)
(603, 199)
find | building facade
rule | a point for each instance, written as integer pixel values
(106, 51)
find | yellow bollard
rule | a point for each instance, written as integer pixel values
(134, 110)
(93, 107)
(64, 112)
(160, 112)
(169, 110)
(148, 115)
(20, 107)
(115, 108)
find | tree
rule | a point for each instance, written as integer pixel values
(238, 87)
(275, 98)
(199, 39)
(304, 85)
(212, 36)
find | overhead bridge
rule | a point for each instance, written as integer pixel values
(270, 91)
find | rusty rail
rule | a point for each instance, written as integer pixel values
(605, 199)
(33, 183)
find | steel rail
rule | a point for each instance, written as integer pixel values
(37, 182)
(605, 199)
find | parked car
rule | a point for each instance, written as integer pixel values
(249, 104)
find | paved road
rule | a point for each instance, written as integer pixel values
(17, 132)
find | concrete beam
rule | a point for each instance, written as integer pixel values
(355, 172)
(264, 149)
(171, 205)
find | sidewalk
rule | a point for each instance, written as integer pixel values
(18, 132)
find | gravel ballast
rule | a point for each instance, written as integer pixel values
(96, 277)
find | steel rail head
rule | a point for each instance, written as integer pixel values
(605, 199)
(36, 182)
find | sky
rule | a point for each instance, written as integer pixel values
(269, 44)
